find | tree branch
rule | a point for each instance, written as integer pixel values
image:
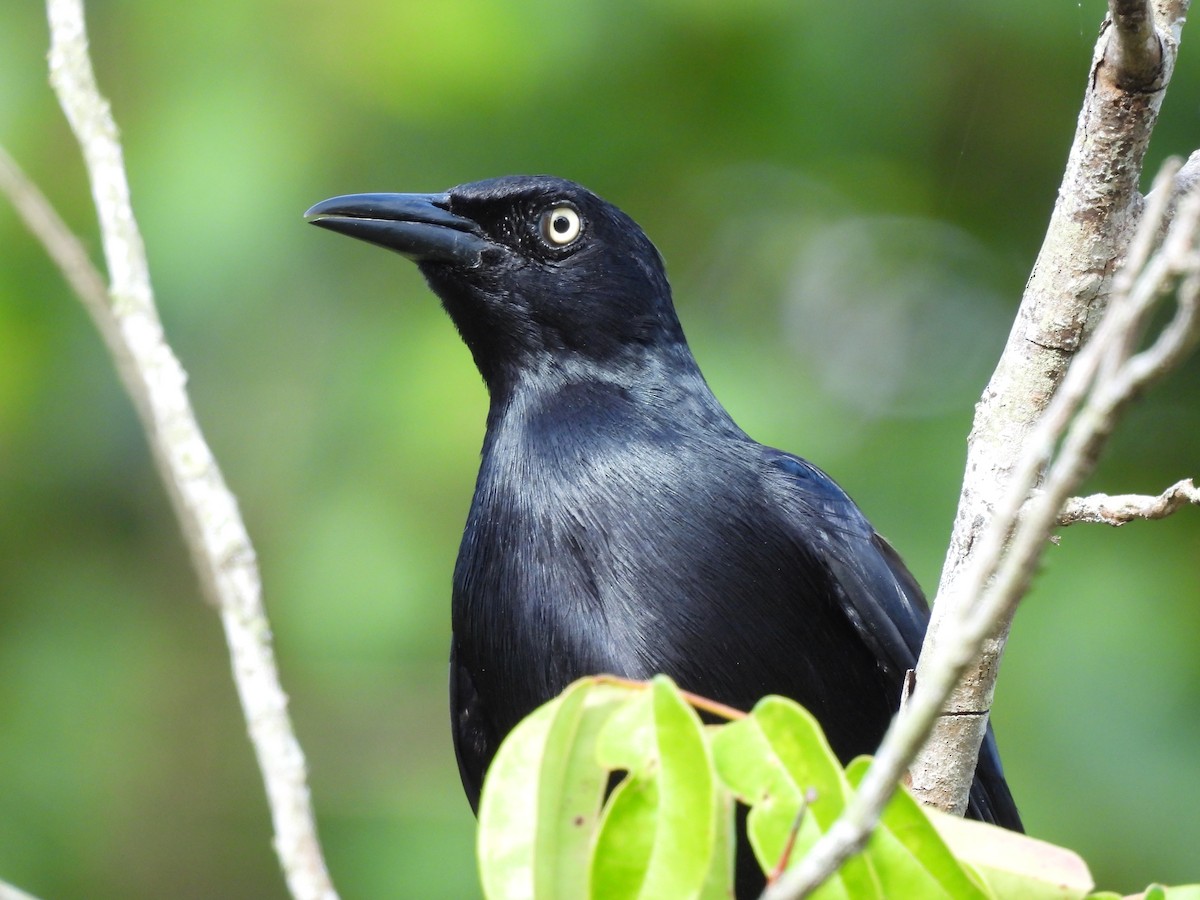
(1097, 205)
(1101, 382)
(1117, 510)
(63, 247)
(1134, 52)
(213, 530)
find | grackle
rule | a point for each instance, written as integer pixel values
(621, 521)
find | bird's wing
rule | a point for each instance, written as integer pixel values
(474, 739)
(878, 594)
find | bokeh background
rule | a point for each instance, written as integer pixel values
(849, 198)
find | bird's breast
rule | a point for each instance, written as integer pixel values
(613, 555)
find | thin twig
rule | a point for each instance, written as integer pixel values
(789, 846)
(1189, 175)
(212, 526)
(64, 248)
(1120, 509)
(720, 710)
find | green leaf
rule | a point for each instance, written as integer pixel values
(1155, 892)
(625, 840)
(1012, 864)
(774, 760)
(542, 797)
(909, 855)
(627, 740)
(571, 790)
(667, 831)
(1182, 892)
(749, 767)
(719, 882)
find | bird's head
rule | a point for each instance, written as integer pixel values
(535, 271)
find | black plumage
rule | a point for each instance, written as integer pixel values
(622, 522)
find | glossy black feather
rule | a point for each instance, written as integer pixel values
(621, 521)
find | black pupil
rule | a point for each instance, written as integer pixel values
(561, 224)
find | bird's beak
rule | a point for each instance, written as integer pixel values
(418, 226)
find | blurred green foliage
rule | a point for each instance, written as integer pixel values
(849, 199)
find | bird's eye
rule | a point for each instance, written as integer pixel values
(561, 225)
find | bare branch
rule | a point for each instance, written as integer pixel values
(216, 537)
(1119, 509)
(1096, 389)
(64, 248)
(1189, 175)
(1097, 205)
(1134, 52)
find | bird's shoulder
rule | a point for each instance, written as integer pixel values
(877, 592)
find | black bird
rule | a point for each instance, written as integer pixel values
(621, 521)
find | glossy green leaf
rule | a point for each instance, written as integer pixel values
(775, 759)
(506, 836)
(625, 843)
(541, 800)
(667, 830)
(747, 765)
(571, 790)
(1181, 892)
(1012, 864)
(626, 742)
(909, 855)
(718, 882)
